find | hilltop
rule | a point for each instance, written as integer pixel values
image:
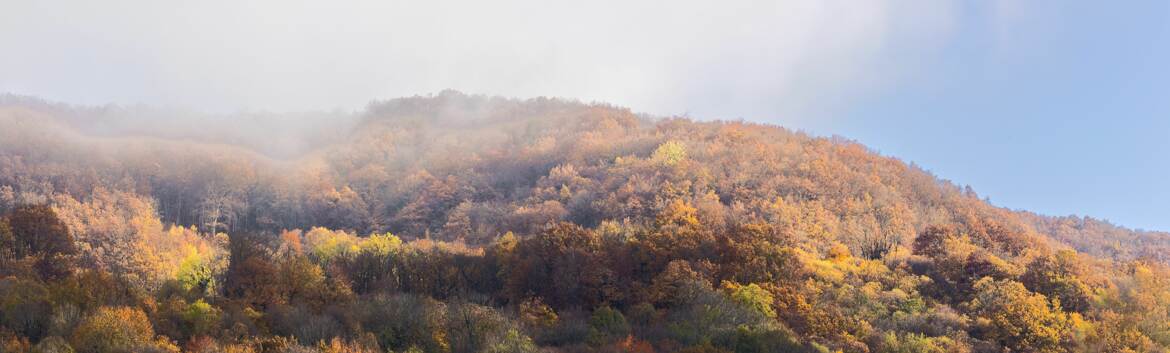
(565, 225)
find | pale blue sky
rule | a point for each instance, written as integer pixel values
(1060, 107)
(1068, 112)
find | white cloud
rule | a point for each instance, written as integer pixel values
(714, 59)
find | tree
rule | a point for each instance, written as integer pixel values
(25, 307)
(983, 264)
(747, 339)
(383, 314)
(114, 330)
(181, 320)
(917, 343)
(562, 266)
(39, 235)
(1009, 315)
(473, 328)
(303, 283)
(708, 315)
(1117, 333)
(931, 242)
(53, 344)
(676, 285)
(749, 255)
(669, 153)
(678, 234)
(373, 266)
(10, 265)
(880, 231)
(751, 296)
(251, 274)
(1058, 276)
(607, 325)
(7, 242)
(511, 341)
(535, 314)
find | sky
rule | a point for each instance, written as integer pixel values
(1058, 107)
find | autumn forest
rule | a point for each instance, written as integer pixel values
(464, 223)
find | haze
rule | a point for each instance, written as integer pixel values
(1055, 107)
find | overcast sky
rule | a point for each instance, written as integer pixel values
(1060, 107)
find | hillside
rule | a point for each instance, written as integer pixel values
(516, 225)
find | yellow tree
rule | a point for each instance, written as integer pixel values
(1008, 314)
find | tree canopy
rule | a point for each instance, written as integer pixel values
(456, 223)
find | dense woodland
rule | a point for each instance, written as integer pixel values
(456, 223)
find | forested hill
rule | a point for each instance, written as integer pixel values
(470, 168)
(567, 226)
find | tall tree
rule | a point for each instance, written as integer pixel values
(38, 235)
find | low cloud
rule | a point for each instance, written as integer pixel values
(738, 59)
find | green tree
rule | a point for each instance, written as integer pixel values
(512, 341)
(7, 243)
(918, 343)
(669, 153)
(751, 296)
(200, 318)
(24, 307)
(606, 325)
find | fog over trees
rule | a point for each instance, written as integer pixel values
(464, 223)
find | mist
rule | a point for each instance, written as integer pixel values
(275, 135)
(774, 60)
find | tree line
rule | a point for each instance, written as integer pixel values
(455, 223)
